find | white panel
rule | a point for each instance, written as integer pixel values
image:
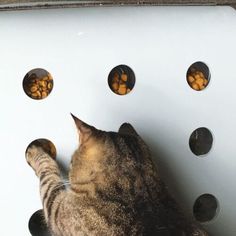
(79, 47)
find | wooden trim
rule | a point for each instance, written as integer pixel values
(34, 4)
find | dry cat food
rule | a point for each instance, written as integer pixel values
(121, 80)
(47, 146)
(38, 83)
(197, 80)
(198, 76)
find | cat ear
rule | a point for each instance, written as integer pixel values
(127, 129)
(84, 130)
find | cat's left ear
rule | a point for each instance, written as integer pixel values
(127, 129)
(85, 131)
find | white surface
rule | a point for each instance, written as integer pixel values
(79, 47)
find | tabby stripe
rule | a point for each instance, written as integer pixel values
(53, 194)
(44, 180)
(46, 192)
(56, 214)
(48, 170)
(47, 173)
(42, 161)
(37, 158)
(54, 221)
(43, 175)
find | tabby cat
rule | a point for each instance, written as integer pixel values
(115, 189)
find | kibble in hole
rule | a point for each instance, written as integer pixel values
(121, 79)
(38, 83)
(198, 76)
(46, 145)
(205, 208)
(200, 141)
(37, 224)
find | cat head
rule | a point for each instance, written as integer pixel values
(106, 155)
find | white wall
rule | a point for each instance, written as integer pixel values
(79, 47)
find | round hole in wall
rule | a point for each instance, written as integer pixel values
(38, 83)
(121, 79)
(205, 208)
(200, 141)
(37, 224)
(198, 76)
(46, 145)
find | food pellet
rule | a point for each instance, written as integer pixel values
(205, 82)
(115, 86)
(124, 77)
(119, 84)
(44, 95)
(195, 86)
(49, 85)
(33, 89)
(191, 79)
(196, 79)
(199, 81)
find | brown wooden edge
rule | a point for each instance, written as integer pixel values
(33, 4)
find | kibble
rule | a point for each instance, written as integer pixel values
(38, 87)
(196, 79)
(120, 84)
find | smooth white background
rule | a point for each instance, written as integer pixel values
(79, 47)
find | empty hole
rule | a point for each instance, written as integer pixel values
(46, 145)
(205, 208)
(38, 83)
(200, 141)
(121, 79)
(198, 76)
(37, 224)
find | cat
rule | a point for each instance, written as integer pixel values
(115, 189)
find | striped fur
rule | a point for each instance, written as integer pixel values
(115, 189)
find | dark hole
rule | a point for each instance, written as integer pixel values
(205, 208)
(38, 83)
(198, 76)
(47, 146)
(121, 80)
(37, 224)
(200, 141)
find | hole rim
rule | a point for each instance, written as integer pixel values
(212, 142)
(207, 71)
(216, 212)
(130, 74)
(26, 81)
(44, 141)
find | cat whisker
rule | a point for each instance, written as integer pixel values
(65, 184)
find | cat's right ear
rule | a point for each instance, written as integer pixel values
(84, 130)
(127, 129)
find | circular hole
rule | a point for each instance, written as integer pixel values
(37, 224)
(198, 76)
(47, 146)
(38, 83)
(121, 79)
(200, 141)
(205, 208)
